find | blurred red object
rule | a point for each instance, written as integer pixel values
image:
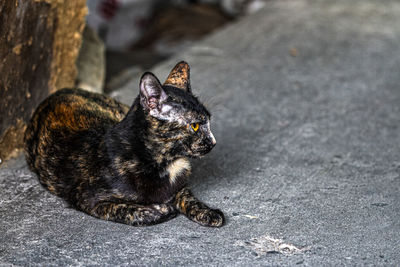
(108, 8)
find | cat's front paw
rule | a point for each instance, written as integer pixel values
(209, 217)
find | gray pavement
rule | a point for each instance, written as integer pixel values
(305, 97)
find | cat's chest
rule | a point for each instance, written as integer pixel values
(162, 187)
(178, 169)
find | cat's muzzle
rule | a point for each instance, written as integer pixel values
(208, 146)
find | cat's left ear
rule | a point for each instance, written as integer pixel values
(179, 77)
(152, 95)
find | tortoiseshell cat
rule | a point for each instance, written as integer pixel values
(127, 165)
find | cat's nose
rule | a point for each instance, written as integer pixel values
(211, 140)
(211, 143)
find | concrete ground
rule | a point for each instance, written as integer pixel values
(305, 97)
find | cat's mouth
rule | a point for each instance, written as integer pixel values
(199, 153)
(194, 153)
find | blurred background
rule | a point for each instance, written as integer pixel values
(137, 34)
(97, 45)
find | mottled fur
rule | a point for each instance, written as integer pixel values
(122, 164)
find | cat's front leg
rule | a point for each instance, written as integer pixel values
(197, 211)
(134, 214)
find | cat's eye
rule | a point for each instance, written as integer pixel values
(195, 126)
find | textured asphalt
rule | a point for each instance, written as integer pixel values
(305, 97)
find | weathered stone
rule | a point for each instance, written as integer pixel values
(39, 42)
(91, 62)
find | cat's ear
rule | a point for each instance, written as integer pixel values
(179, 77)
(152, 94)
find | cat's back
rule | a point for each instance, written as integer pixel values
(76, 110)
(66, 114)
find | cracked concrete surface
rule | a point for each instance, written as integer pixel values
(305, 100)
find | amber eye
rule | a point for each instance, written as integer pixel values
(195, 126)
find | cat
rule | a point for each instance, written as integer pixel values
(127, 165)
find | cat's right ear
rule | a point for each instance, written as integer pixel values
(179, 77)
(152, 94)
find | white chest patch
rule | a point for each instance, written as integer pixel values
(176, 168)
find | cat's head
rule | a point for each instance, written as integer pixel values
(179, 123)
